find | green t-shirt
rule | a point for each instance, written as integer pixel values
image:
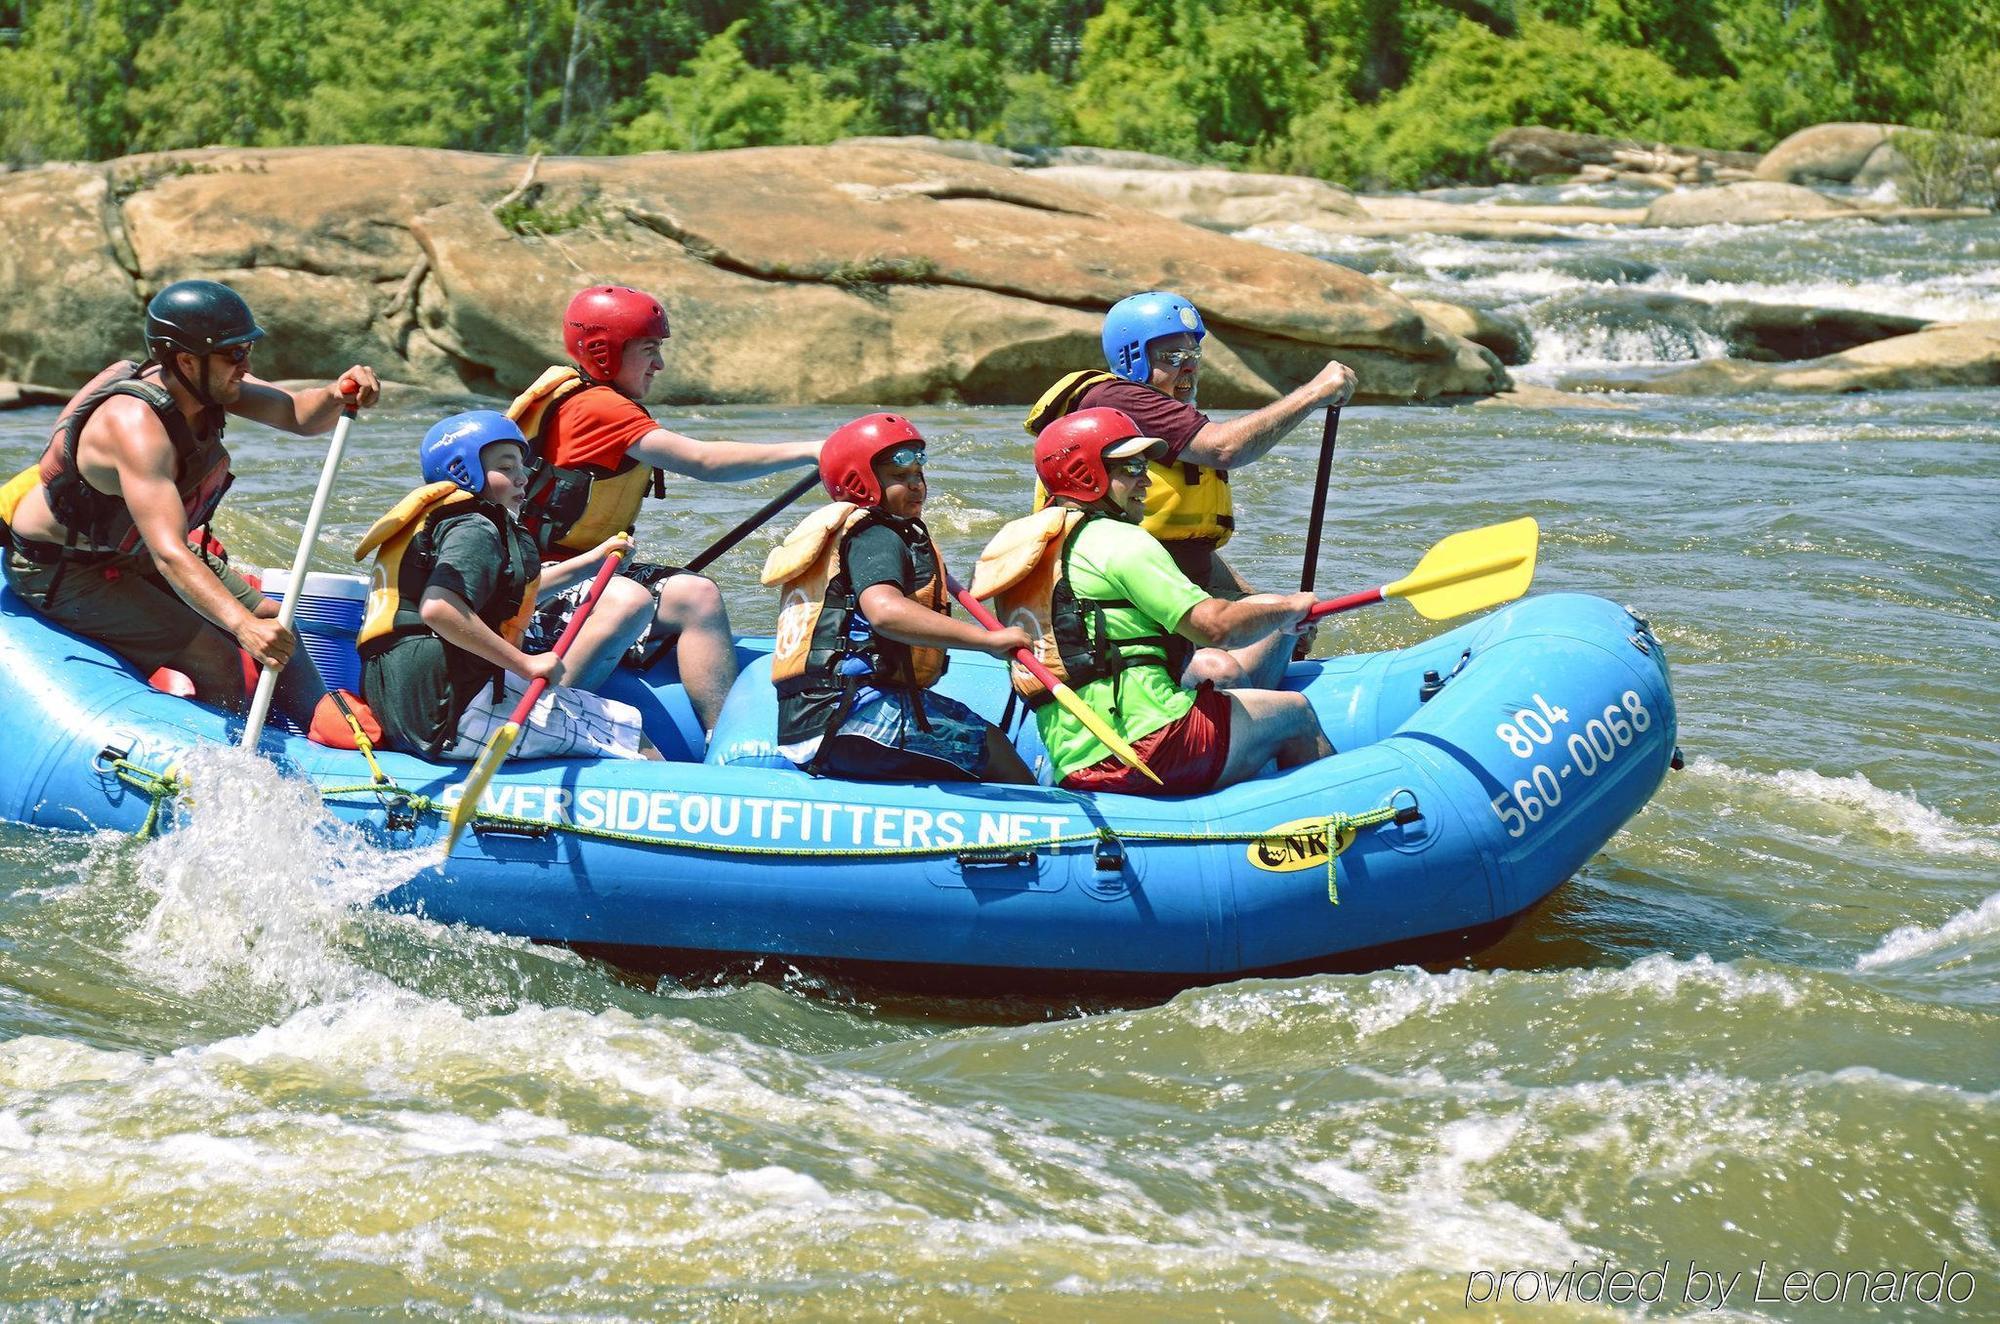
(1110, 559)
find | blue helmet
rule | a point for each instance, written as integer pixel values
(1135, 322)
(451, 448)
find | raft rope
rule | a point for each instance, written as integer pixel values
(1338, 830)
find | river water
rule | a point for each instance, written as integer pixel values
(1759, 1032)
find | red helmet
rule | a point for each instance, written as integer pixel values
(600, 320)
(847, 461)
(1070, 452)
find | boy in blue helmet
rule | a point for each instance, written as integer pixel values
(1153, 348)
(456, 579)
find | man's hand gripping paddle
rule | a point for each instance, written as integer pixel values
(1466, 572)
(1071, 701)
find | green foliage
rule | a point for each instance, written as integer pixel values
(1435, 128)
(1398, 92)
(1954, 158)
(723, 101)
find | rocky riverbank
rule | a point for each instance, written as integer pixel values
(863, 274)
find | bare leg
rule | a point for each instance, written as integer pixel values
(1263, 663)
(1268, 724)
(692, 607)
(1003, 764)
(212, 662)
(615, 624)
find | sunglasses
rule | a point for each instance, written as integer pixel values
(235, 353)
(1132, 466)
(1174, 358)
(906, 456)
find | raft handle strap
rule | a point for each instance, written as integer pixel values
(1109, 855)
(988, 859)
(487, 827)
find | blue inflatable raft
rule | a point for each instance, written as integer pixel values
(1477, 772)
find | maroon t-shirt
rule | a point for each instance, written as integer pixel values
(1157, 413)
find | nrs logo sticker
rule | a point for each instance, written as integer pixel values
(1300, 844)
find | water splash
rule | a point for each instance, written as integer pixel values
(255, 883)
(1911, 941)
(1894, 812)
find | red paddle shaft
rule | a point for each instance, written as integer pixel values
(604, 574)
(1334, 605)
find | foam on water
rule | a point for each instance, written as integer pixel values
(1967, 929)
(254, 883)
(1893, 812)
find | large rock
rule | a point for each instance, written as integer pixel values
(854, 274)
(1753, 202)
(67, 297)
(965, 149)
(1218, 199)
(1506, 336)
(1831, 153)
(1681, 327)
(1962, 354)
(1529, 151)
(1114, 158)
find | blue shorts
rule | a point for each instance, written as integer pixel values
(881, 741)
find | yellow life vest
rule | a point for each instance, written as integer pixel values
(810, 573)
(1025, 571)
(403, 566)
(17, 489)
(1184, 501)
(573, 508)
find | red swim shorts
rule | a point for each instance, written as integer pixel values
(1188, 753)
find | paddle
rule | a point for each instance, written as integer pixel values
(755, 522)
(1311, 566)
(496, 753)
(1064, 695)
(1466, 572)
(267, 683)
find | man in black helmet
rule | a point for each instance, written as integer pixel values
(135, 464)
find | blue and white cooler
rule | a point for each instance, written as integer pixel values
(327, 618)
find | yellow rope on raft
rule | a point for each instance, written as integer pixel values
(1337, 830)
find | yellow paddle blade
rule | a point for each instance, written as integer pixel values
(1100, 728)
(1473, 570)
(475, 784)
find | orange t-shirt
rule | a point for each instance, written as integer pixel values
(596, 426)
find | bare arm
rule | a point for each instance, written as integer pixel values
(307, 413)
(1240, 441)
(145, 462)
(559, 575)
(720, 461)
(896, 615)
(455, 622)
(1216, 623)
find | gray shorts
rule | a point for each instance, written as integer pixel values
(122, 602)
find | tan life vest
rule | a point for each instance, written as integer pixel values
(1025, 571)
(403, 565)
(573, 508)
(810, 573)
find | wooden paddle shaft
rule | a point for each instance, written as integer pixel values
(604, 574)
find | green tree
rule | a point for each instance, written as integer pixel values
(720, 100)
(63, 89)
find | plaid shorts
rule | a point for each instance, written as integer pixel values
(552, 615)
(881, 741)
(565, 723)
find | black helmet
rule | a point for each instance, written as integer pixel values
(198, 317)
